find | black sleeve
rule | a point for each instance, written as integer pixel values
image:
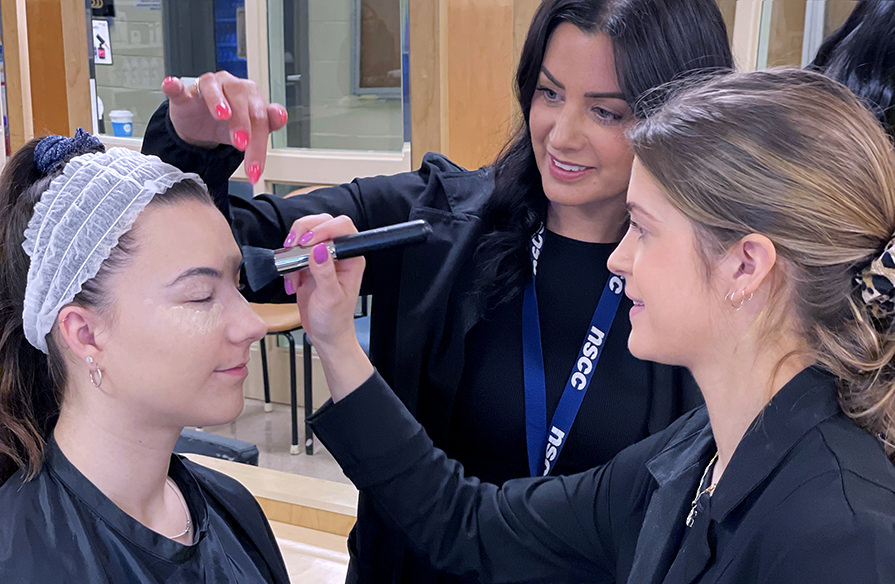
(265, 220)
(528, 530)
(214, 165)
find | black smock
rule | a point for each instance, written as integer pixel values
(59, 527)
(808, 497)
(452, 366)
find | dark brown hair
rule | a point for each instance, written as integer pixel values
(653, 42)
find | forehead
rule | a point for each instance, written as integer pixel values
(584, 59)
(643, 188)
(647, 199)
(171, 237)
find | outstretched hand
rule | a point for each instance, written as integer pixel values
(223, 109)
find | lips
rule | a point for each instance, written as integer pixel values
(234, 370)
(568, 167)
(638, 305)
(565, 170)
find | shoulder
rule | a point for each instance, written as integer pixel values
(438, 183)
(835, 510)
(16, 496)
(30, 525)
(222, 486)
(859, 457)
(831, 545)
(844, 468)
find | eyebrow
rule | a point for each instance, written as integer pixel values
(203, 271)
(592, 94)
(635, 207)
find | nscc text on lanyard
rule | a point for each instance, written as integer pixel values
(544, 446)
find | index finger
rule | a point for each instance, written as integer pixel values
(328, 230)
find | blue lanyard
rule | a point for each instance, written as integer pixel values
(544, 446)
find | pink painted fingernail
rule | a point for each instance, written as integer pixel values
(284, 115)
(321, 253)
(168, 80)
(304, 239)
(222, 110)
(254, 173)
(241, 139)
(290, 289)
(290, 239)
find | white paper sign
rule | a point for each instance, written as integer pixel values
(102, 44)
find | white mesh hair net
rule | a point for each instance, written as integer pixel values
(78, 221)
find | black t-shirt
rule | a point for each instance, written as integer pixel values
(488, 420)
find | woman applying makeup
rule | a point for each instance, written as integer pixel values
(448, 316)
(759, 256)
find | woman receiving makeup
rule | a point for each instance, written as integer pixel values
(120, 323)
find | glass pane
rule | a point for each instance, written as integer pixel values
(340, 68)
(137, 43)
(836, 14)
(728, 11)
(240, 188)
(792, 30)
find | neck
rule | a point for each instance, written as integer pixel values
(126, 458)
(598, 222)
(738, 388)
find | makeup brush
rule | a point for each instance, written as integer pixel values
(263, 266)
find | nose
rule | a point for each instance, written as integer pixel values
(566, 134)
(246, 326)
(620, 260)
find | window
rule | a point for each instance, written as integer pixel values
(137, 43)
(339, 67)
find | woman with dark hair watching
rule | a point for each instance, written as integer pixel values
(861, 55)
(761, 256)
(120, 323)
(452, 318)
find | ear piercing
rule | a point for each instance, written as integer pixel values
(95, 373)
(731, 297)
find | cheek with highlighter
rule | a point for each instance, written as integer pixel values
(190, 321)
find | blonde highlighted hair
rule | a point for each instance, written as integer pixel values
(794, 156)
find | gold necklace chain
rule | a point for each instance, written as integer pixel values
(691, 516)
(186, 511)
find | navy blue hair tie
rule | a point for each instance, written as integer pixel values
(53, 151)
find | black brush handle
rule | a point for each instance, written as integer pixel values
(350, 246)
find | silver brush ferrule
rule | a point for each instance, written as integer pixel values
(295, 258)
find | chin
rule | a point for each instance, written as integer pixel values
(644, 352)
(641, 349)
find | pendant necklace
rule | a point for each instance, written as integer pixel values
(691, 516)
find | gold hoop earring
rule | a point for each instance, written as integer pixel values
(94, 373)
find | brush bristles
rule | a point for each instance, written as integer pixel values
(260, 268)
